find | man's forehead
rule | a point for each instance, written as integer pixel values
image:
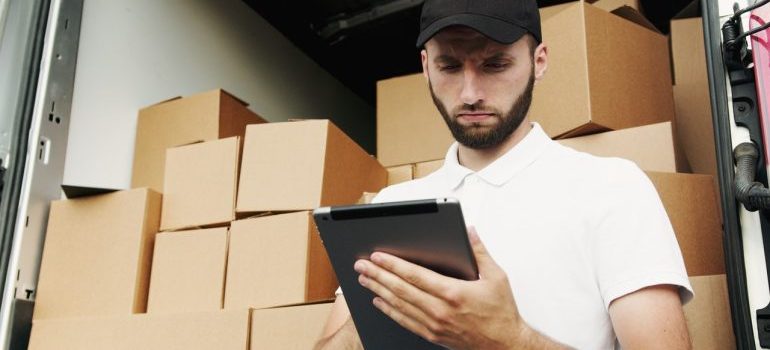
(465, 39)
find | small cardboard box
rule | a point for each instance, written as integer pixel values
(179, 121)
(409, 127)
(190, 331)
(691, 203)
(400, 173)
(303, 165)
(288, 328)
(597, 80)
(97, 255)
(277, 260)
(651, 147)
(708, 314)
(694, 123)
(188, 271)
(424, 169)
(200, 184)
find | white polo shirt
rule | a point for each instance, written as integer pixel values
(572, 231)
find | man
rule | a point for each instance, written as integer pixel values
(578, 249)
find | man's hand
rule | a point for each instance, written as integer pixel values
(454, 313)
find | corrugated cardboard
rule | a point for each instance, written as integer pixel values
(691, 95)
(597, 79)
(424, 169)
(399, 174)
(651, 147)
(277, 260)
(303, 165)
(409, 127)
(610, 5)
(708, 314)
(97, 255)
(691, 203)
(190, 331)
(188, 271)
(288, 328)
(200, 184)
(180, 121)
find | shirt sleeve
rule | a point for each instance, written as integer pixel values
(633, 244)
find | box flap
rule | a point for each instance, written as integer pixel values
(692, 10)
(73, 191)
(635, 16)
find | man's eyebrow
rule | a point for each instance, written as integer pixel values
(499, 55)
(444, 59)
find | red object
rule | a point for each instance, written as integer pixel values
(760, 44)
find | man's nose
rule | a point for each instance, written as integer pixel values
(472, 88)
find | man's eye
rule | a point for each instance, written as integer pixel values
(449, 67)
(496, 66)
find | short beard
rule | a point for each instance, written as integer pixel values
(474, 136)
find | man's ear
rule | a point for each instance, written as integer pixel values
(424, 60)
(540, 60)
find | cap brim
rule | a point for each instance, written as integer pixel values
(495, 29)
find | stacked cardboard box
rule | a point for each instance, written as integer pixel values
(121, 272)
(612, 102)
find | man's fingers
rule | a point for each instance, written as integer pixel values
(487, 266)
(403, 306)
(405, 321)
(416, 275)
(386, 283)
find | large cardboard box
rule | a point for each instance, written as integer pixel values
(200, 184)
(597, 80)
(400, 173)
(424, 169)
(97, 254)
(691, 95)
(277, 260)
(708, 314)
(188, 271)
(610, 5)
(409, 127)
(190, 331)
(179, 121)
(651, 147)
(303, 165)
(691, 203)
(288, 328)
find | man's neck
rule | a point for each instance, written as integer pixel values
(477, 159)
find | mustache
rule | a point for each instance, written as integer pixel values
(475, 108)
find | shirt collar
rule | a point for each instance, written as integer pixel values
(502, 169)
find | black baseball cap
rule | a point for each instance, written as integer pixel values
(504, 21)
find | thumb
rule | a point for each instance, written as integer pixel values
(487, 266)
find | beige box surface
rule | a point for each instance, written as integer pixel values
(691, 203)
(188, 271)
(610, 5)
(424, 169)
(200, 184)
(205, 116)
(226, 330)
(596, 78)
(288, 328)
(409, 127)
(652, 147)
(303, 165)
(400, 173)
(277, 260)
(97, 255)
(691, 95)
(708, 314)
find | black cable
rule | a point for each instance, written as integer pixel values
(731, 42)
(748, 8)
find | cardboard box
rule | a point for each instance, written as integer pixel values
(277, 260)
(409, 127)
(190, 331)
(610, 5)
(288, 328)
(694, 123)
(597, 80)
(180, 121)
(97, 255)
(399, 174)
(708, 314)
(303, 165)
(691, 203)
(424, 169)
(200, 184)
(366, 198)
(188, 271)
(651, 147)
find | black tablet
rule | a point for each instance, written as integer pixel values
(430, 233)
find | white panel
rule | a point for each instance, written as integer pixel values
(138, 52)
